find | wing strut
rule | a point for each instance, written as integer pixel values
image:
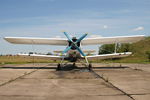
(116, 44)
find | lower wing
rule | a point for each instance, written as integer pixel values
(103, 56)
(47, 56)
(108, 56)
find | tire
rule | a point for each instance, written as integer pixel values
(74, 64)
(58, 67)
(90, 67)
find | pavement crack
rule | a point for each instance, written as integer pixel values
(106, 80)
(17, 78)
(20, 77)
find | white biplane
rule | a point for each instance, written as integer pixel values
(73, 50)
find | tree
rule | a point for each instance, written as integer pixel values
(125, 47)
(49, 53)
(110, 48)
(107, 49)
(31, 52)
(148, 54)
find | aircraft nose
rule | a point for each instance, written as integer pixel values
(74, 39)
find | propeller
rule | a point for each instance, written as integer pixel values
(68, 37)
(82, 37)
(67, 49)
(74, 43)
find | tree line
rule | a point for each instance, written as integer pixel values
(126, 47)
(110, 48)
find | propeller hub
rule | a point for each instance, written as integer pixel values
(73, 43)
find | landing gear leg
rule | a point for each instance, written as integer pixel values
(88, 64)
(59, 66)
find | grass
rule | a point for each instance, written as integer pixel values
(23, 60)
(139, 50)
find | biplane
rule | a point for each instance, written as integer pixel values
(73, 51)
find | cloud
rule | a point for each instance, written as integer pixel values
(58, 36)
(105, 26)
(140, 28)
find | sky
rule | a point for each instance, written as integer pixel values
(48, 18)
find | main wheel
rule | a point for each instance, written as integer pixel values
(90, 67)
(58, 67)
(74, 64)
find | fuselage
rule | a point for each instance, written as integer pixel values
(72, 55)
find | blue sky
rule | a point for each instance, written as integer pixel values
(47, 18)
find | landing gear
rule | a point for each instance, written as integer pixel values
(58, 67)
(74, 64)
(90, 67)
(88, 64)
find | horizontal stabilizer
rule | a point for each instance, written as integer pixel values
(85, 51)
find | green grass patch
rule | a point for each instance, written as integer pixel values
(24, 60)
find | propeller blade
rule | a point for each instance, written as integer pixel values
(66, 50)
(82, 37)
(68, 37)
(81, 52)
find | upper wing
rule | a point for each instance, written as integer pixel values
(108, 56)
(44, 41)
(111, 40)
